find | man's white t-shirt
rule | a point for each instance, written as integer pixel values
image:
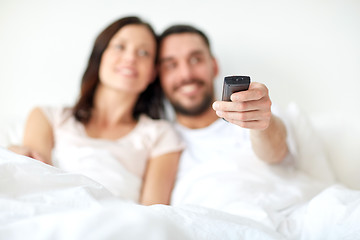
(218, 169)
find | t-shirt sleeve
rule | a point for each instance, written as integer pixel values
(167, 140)
(55, 115)
(289, 159)
(49, 113)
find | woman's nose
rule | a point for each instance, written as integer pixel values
(129, 55)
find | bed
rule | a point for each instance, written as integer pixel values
(38, 201)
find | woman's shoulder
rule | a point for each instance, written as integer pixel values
(154, 128)
(56, 114)
(161, 135)
(146, 121)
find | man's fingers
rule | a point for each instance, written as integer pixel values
(263, 103)
(229, 106)
(245, 116)
(256, 91)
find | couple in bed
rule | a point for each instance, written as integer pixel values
(114, 133)
(115, 128)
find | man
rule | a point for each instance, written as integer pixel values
(241, 165)
(188, 70)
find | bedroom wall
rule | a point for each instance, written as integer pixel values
(305, 51)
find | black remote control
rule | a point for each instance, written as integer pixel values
(234, 84)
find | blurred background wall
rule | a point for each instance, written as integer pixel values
(307, 52)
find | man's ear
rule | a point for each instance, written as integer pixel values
(215, 67)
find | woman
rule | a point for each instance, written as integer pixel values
(111, 134)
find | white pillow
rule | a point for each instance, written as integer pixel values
(11, 131)
(308, 148)
(341, 135)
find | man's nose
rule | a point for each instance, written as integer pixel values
(185, 71)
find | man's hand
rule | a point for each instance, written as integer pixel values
(252, 109)
(248, 109)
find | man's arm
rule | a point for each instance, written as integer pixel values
(270, 144)
(252, 109)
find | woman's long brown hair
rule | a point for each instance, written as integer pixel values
(150, 101)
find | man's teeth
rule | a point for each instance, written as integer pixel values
(188, 88)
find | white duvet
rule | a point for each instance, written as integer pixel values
(38, 201)
(288, 201)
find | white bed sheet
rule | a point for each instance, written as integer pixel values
(38, 201)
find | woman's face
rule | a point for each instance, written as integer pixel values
(127, 63)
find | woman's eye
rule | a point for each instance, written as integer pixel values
(119, 46)
(143, 53)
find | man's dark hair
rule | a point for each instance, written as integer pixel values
(209, 98)
(183, 28)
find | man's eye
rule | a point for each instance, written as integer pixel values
(194, 60)
(143, 53)
(168, 65)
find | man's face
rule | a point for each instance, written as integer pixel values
(187, 71)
